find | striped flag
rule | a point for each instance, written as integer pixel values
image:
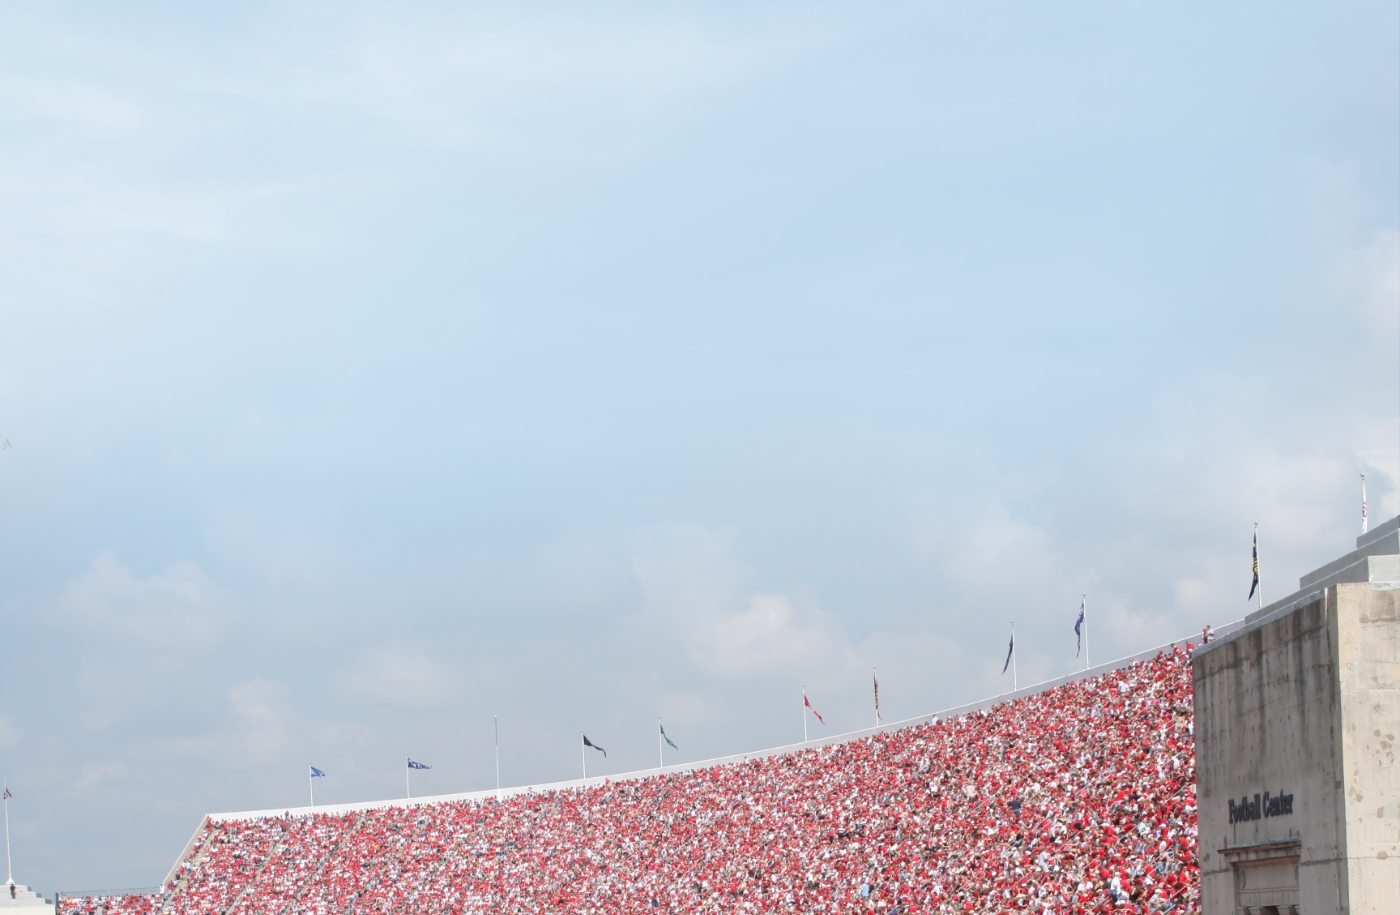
(1078, 629)
(1253, 585)
(1365, 523)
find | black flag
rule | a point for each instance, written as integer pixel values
(589, 743)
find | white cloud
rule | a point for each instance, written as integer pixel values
(692, 582)
(92, 110)
(1366, 279)
(261, 713)
(403, 675)
(179, 607)
(474, 82)
(258, 726)
(1378, 284)
(768, 635)
(995, 554)
(98, 776)
(9, 736)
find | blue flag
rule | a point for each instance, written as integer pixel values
(317, 773)
(412, 764)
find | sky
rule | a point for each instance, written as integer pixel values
(373, 370)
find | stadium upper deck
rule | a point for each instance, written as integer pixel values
(1076, 798)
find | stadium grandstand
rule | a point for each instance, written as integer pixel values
(1077, 796)
(1068, 799)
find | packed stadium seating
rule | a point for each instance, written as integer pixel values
(1077, 799)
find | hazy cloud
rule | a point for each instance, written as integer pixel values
(692, 578)
(9, 736)
(402, 675)
(178, 608)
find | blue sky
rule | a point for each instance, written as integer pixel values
(370, 371)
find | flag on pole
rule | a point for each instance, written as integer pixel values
(807, 703)
(1078, 630)
(1365, 524)
(8, 795)
(1253, 585)
(317, 773)
(666, 737)
(875, 678)
(414, 764)
(1010, 648)
(589, 743)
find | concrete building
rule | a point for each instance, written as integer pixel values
(24, 900)
(1297, 725)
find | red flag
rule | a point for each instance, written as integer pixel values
(808, 703)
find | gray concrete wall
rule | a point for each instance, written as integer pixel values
(1368, 649)
(1267, 708)
(1304, 700)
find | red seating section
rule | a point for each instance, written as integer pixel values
(1077, 799)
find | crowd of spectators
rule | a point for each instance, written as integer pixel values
(1077, 799)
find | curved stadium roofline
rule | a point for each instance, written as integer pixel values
(491, 793)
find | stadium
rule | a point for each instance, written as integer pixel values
(1251, 770)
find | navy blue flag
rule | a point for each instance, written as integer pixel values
(1010, 647)
(417, 765)
(589, 743)
(317, 773)
(1079, 631)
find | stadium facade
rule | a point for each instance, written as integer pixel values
(1297, 722)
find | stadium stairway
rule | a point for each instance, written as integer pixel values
(26, 900)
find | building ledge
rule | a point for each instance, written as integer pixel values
(1268, 850)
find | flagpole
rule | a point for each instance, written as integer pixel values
(583, 757)
(804, 713)
(1259, 592)
(311, 784)
(496, 724)
(408, 777)
(1014, 682)
(875, 679)
(1084, 602)
(660, 752)
(9, 866)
